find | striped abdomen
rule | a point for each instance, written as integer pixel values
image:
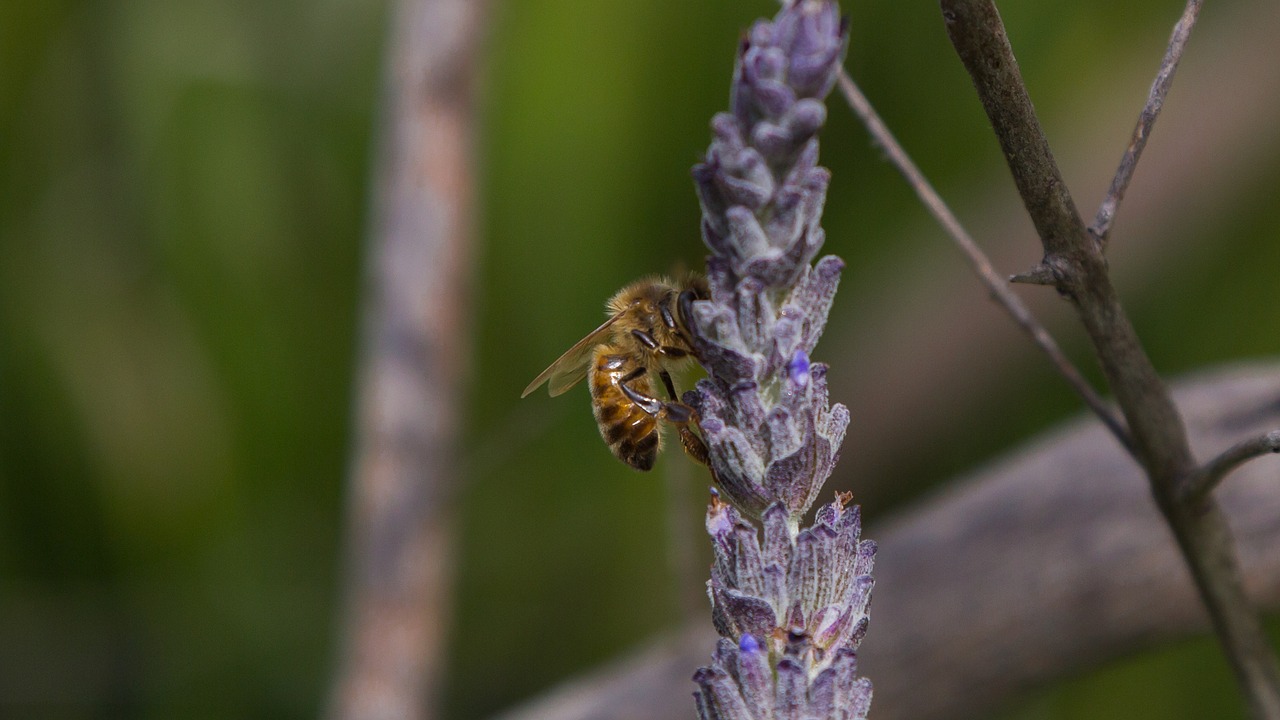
(630, 432)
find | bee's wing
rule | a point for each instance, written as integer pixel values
(572, 366)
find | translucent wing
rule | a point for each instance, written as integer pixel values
(572, 366)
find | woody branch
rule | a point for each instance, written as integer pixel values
(1074, 261)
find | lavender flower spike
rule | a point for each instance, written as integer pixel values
(790, 604)
(764, 410)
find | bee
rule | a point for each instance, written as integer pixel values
(646, 335)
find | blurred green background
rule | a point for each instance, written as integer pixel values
(183, 194)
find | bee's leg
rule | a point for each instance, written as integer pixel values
(633, 375)
(650, 342)
(676, 413)
(645, 339)
(672, 351)
(681, 415)
(668, 319)
(693, 445)
(648, 403)
(671, 387)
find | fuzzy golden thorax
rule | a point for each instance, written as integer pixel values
(651, 306)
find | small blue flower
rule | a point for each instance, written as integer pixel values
(798, 369)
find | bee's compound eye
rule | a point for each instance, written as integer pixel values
(686, 306)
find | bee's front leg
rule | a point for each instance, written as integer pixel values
(676, 413)
(693, 445)
(671, 351)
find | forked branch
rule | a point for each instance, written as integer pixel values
(1080, 273)
(1202, 482)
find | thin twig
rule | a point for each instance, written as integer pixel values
(1204, 480)
(982, 266)
(1101, 228)
(1158, 432)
